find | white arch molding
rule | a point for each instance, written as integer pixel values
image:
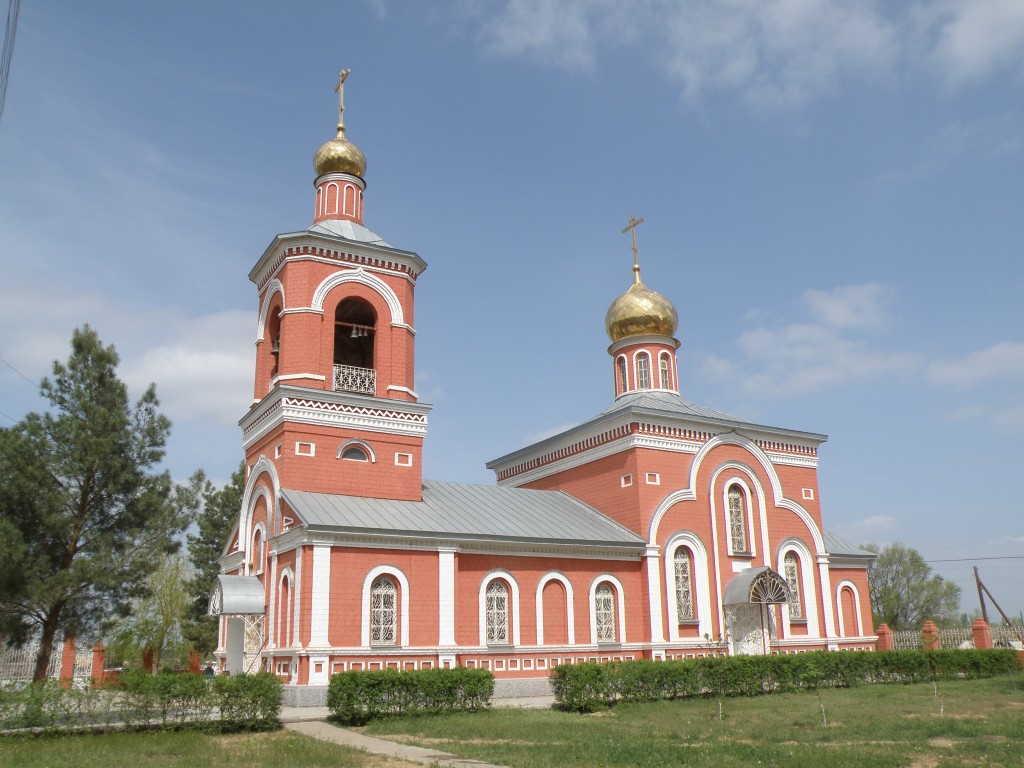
(275, 286)
(513, 586)
(562, 579)
(403, 617)
(284, 618)
(810, 596)
(362, 277)
(699, 577)
(253, 490)
(847, 584)
(620, 606)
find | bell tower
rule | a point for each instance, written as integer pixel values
(334, 402)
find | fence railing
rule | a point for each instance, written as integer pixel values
(958, 637)
(350, 378)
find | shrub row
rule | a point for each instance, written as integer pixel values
(592, 686)
(143, 700)
(358, 697)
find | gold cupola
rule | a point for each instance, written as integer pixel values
(640, 311)
(339, 155)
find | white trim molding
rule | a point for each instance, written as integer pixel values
(700, 580)
(362, 277)
(620, 607)
(513, 586)
(562, 579)
(403, 617)
(847, 584)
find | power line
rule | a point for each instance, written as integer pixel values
(13, 7)
(26, 378)
(972, 559)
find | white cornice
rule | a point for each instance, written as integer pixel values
(333, 409)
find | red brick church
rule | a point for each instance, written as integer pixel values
(657, 529)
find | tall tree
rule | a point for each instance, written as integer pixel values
(904, 591)
(157, 619)
(220, 508)
(83, 512)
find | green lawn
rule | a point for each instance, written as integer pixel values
(960, 723)
(282, 749)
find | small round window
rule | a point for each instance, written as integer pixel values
(355, 453)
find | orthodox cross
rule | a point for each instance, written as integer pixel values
(634, 222)
(340, 90)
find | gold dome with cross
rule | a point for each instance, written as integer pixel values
(339, 155)
(640, 311)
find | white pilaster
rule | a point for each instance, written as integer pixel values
(446, 597)
(320, 596)
(652, 556)
(826, 597)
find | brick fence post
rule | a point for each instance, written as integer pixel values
(982, 634)
(99, 655)
(884, 638)
(195, 665)
(930, 636)
(67, 662)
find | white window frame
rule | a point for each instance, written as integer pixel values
(403, 608)
(748, 518)
(384, 585)
(700, 583)
(665, 370)
(513, 586)
(371, 456)
(622, 373)
(620, 605)
(809, 594)
(643, 377)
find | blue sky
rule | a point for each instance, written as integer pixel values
(832, 192)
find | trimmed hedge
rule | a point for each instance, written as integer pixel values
(592, 686)
(357, 697)
(144, 701)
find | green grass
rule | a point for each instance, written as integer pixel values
(978, 722)
(186, 749)
(959, 723)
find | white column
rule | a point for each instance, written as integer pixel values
(826, 596)
(296, 602)
(320, 597)
(652, 558)
(272, 617)
(446, 597)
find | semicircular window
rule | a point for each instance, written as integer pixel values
(355, 453)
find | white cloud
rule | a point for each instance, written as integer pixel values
(771, 53)
(852, 306)
(868, 529)
(799, 358)
(1004, 360)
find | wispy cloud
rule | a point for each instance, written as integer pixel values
(803, 357)
(773, 53)
(1004, 360)
(869, 529)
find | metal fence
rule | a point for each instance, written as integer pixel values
(18, 664)
(959, 637)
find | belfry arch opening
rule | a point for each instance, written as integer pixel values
(354, 335)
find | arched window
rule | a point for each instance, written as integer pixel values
(643, 371)
(256, 554)
(284, 613)
(684, 585)
(663, 361)
(604, 613)
(354, 453)
(383, 611)
(497, 613)
(623, 381)
(791, 573)
(737, 519)
(354, 333)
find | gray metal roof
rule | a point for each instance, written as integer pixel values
(348, 230)
(461, 510)
(236, 594)
(665, 400)
(837, 545)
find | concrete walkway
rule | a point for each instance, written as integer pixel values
(309, 721)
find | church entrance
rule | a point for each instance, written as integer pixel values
(749, 615)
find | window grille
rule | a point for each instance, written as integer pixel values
(684, 585)
(791, 572)
(497, 613)
(737, 520)
(604, 612)
(643, 372)
(383, 615)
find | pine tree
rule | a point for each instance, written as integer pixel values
(220, 508)
(83, 512)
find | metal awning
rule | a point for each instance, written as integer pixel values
(756, 585)
(236, 595)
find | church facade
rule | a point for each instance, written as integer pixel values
(657, 529)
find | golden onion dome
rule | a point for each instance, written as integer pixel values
(640, 312)
(339, 155)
